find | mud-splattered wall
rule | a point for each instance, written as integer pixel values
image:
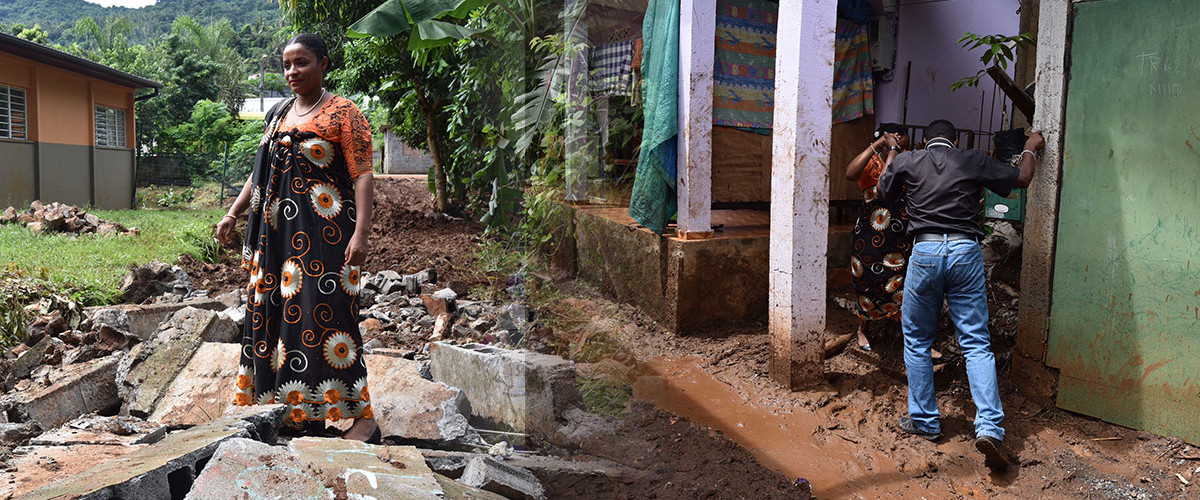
(1125, 319)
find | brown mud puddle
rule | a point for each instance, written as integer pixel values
(782, 440)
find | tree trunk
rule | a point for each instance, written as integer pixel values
(441, 201)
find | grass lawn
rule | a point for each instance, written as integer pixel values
(93, 264)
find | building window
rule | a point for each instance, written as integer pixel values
(12, 113)
(110, 127)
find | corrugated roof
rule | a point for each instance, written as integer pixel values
(57, 58)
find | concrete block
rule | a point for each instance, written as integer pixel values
(505, 479)
(453, 463)
(410, 408)
(14, 434)
(32, 467)
(168, 468)
(149, 368)
(203, 390)
(74, 390)
(93, 429)
(319, 468)
(144, 320)
(510, 390)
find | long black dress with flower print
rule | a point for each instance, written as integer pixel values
(881, 249)
(301, 345)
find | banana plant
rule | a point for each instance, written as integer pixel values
(421, 17)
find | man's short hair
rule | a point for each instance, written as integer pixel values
(941, 128)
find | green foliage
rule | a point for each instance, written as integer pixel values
(999, 53)
(148, 23)
(24, 295)
(604, 396)
(172, 199)
(91, 266)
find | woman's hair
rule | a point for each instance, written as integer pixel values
(889, 128)
(314, 44)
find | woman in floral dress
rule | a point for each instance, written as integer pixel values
(309, 201)
(881, 245)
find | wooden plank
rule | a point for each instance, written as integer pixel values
(697, 30)
(800, 191)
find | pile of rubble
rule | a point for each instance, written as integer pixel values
(133, 401)
(61, 218)
(404, 310)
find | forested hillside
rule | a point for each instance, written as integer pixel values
(58, 17)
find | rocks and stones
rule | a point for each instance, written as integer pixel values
(169, 467)
(154, 279)
(33, 357)
(148, 369)
(439, 302)
(93, 429)
(441, 326)
(43, 325)
(73, 390)
(141, 320)
(61, 218)
(203, 389)
(340, 468)
(13, 434)
(509, 390)
(505, 479)
(412, 409)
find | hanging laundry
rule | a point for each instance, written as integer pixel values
(612, 69)
(744, 63)
(853, 82)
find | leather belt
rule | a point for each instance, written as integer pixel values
(945, 237)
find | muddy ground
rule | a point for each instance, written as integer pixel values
(720, 428)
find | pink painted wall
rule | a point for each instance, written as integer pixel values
(926, 33)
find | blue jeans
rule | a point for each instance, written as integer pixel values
(953, 270)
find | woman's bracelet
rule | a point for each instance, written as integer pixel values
(231, 216)
(1031, 153)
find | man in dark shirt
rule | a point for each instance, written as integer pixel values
(944, 184)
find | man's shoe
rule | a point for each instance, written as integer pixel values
(906, 424)
(994, 455)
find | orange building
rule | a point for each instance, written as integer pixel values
(66, 128)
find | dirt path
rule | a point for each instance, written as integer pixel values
(842, 438)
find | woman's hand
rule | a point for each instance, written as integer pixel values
(892, 139)
(356, 250)
(225, 231)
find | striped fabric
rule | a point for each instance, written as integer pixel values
(853, 83)
(744, 66)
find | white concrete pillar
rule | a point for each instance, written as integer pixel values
(1041, 218)
(800, 190)
(578, 151)
(697, 42)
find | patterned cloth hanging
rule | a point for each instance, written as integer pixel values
(612, 69)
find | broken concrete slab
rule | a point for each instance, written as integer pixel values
(150, 280)
(203, 389)
(142, 320)
(322, 468)
(167, 468)
(411, 409)
(502, 478)
(453, 463)
(14, 434)
(32, 357)
(74, 390)
(147, 371)
(96, 430)
(509, 390)
(32, 467)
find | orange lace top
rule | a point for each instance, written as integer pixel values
(340, 121)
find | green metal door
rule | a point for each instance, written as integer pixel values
(1125, 320)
